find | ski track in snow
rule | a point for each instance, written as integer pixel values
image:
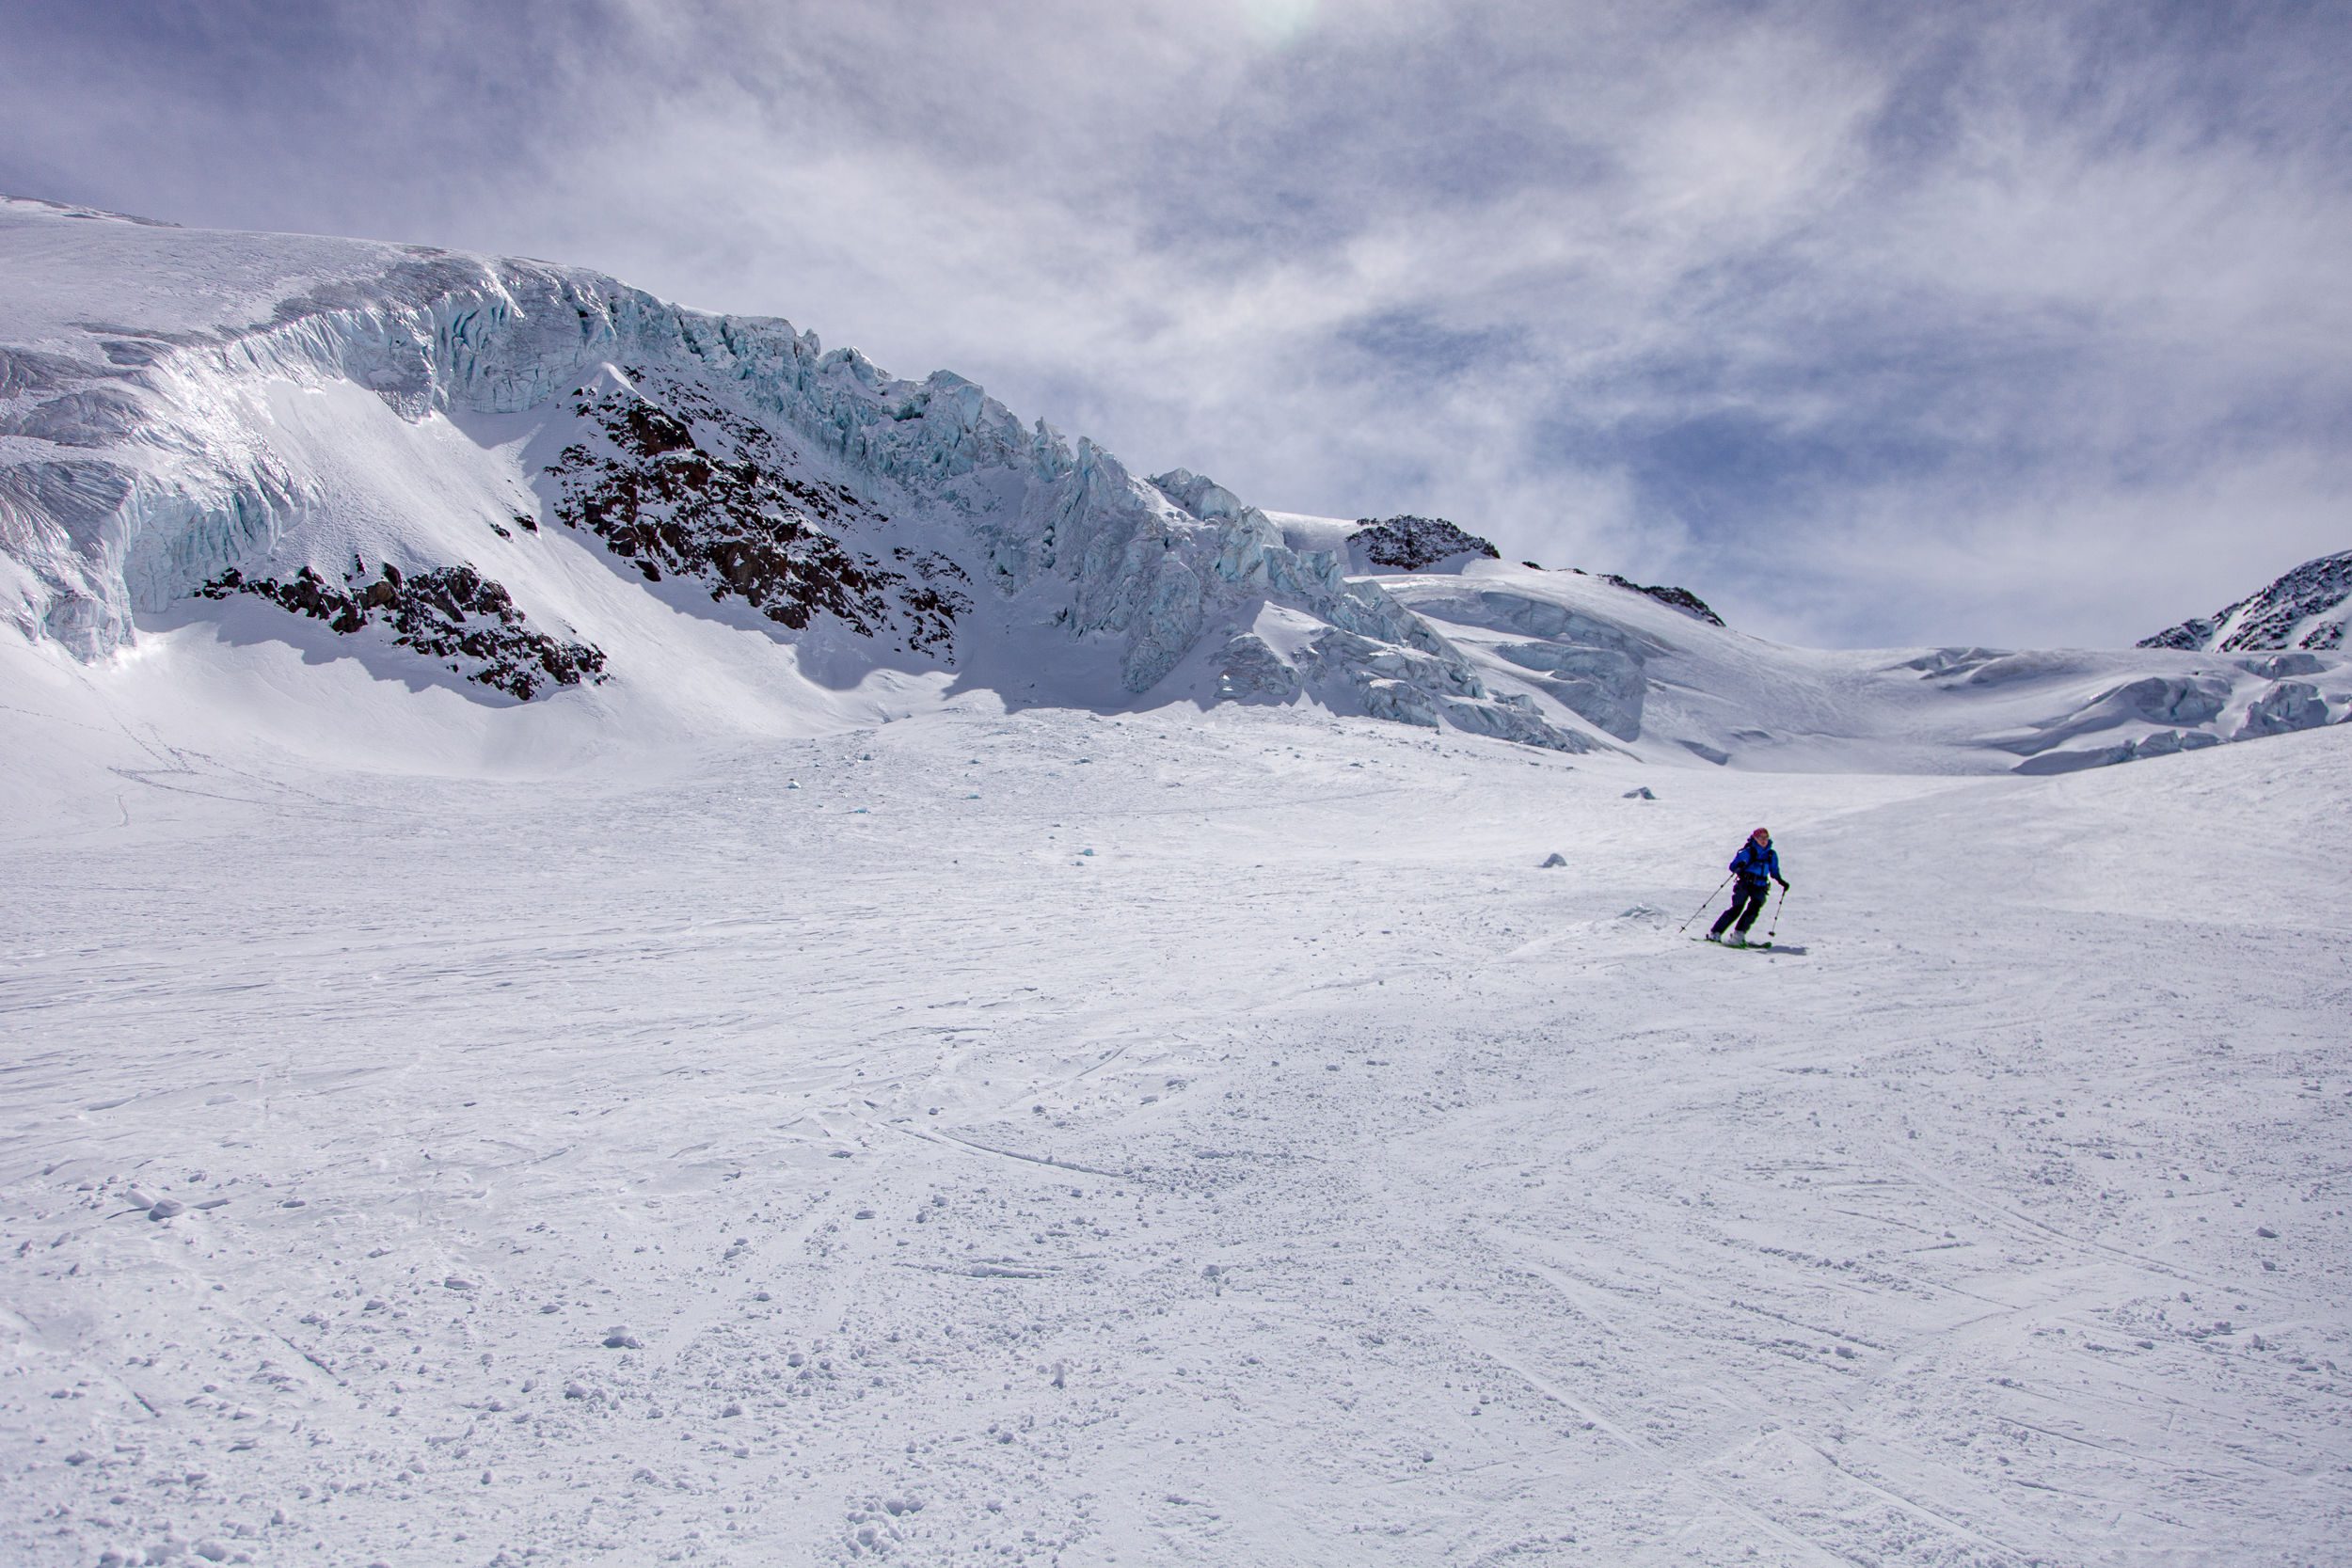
(1302, 1176)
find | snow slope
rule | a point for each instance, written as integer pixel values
(1168, 1138)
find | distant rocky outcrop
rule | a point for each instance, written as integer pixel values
(1680, 598)
(1410, 544)
(452, 615)
(737, 521)
(2306, 608)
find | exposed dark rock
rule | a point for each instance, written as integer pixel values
(1410, 544)
(2192, 636)
(452, 614)
(737, 520)
(1680, 598)
(2276, 617)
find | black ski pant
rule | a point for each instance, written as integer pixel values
(1746, 905)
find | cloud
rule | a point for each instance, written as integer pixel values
(1874, 324)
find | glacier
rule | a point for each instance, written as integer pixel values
(193, 417)
(145, 460)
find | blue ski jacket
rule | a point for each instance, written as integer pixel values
(1756, 864)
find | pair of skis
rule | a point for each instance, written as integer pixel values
(1771, 930)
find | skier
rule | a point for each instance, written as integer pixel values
(1757, 868)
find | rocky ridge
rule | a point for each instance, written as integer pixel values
(1410, 544)
(2307, 607)
(454, 616)
(1680, 598)
(645, 481)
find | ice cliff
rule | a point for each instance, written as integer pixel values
(147, 454)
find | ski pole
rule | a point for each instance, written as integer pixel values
(1702, 908)
(1778, 904)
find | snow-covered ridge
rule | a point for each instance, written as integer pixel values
(1668, 686)
(1410, 544)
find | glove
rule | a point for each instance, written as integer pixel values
(1784, 884)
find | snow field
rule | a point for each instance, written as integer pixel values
(660, 1162)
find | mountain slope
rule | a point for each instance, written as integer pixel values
(185, 405)
(1661, 681)
(2307, 609)
(237, 460)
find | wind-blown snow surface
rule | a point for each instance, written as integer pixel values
(624, 1156)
